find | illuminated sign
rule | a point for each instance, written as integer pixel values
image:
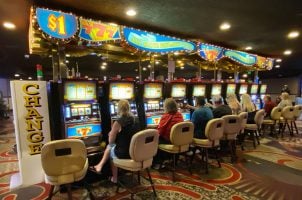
(57, 24)
(270, 63)
(97, 32)
(261, 61)
(146, 41)
(241, 57)
(210, 52)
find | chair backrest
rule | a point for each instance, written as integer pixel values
(243, 119)
(182, 133)
(288, 112)
(259, 117)
(232, 124)
(144, 145)
(276, 113)
(297, 111)
(62, 157)
(214, 129)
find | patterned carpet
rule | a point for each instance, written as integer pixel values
(272, 171)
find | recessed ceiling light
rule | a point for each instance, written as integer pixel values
(149, 66)
(103, 67)
(67, 55)
(104, 63)
(182, 67)
(29, 78)
(21, 79)
(131, 12)
(277, 66)
(248, 48)
(67, 61)
(287, 52)
(17, 75)
(244, 75)
(225, 26)
(9, 25)
(157, 62)
(293, 34)
(26, 56)
(230, 77)
(279, 60)
(137, 77)
(144, 68)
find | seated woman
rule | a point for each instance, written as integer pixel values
(285, 100)
(119, 138)
(249, 107)
(171, 117)
(234, 104)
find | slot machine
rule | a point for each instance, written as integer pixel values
(230, 89)
(198, 90)
(121, 90)
(153, 105)
(216, 91)
(179, 94)
(81, 112)
(263, 88)
(255, 96)
(243, 88)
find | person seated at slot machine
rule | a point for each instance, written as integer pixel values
(119, 139)
(220, 109)
(234, 104)
(268, 106)
(168, 119)
(285, 100)
(200, 117)
(249, 107)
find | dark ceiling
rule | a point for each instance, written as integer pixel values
(257, 23)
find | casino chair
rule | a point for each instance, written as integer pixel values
(256, 127)
(181, 136)
(274, 119)
(243, 120)
(287, 114)
(214, 132)
(64, 162)
(143, 147)
(232, 128)
(297, 113)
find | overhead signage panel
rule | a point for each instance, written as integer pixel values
(97, 32)
(151, 42)
(210, 52)
(261, 61)
(57, 24)
(241, 57)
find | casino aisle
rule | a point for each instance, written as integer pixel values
(271, 171)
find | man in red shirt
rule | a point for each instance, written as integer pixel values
(268, 105)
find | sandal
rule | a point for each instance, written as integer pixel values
(93, 169)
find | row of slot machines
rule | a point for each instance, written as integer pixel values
(86, 109)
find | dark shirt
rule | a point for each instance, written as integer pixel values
(221, 111)
(268, 107)
(129, 126)
(200, 118)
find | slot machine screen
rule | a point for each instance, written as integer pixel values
(80, 109)
(153, 90)
(81, 130)
(199, 90)
(119, 91)
(243, 89)
(263, 89)
(79, 91)
(254, 89)
(178, 90)
(216, 89)
(231, 88)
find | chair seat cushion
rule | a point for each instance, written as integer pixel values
(252, 127)
(131, 165)
(68, 177)
(268, 122)
(170, 148)
(206, 143)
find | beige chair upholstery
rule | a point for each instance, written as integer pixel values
(288, 116)
(181, 136)
(143, 147)
(243, 120)
(256, 128)
(232, 127)
(214, 132)
(297, 113)
(274, 119)
(64, 162)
